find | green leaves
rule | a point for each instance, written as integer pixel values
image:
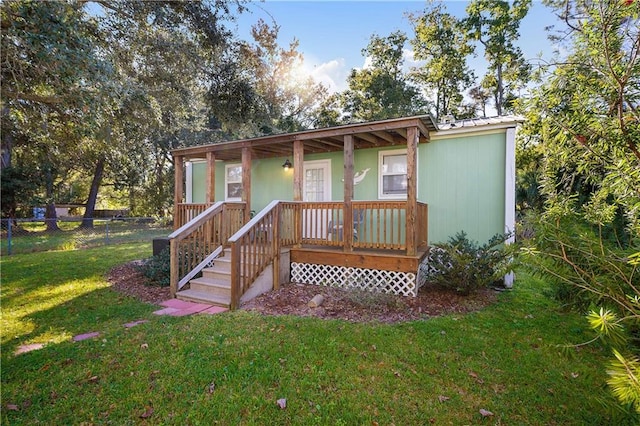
(494, 24)
(607, 324)
(624, 379)
(440, 42)
(382, 90)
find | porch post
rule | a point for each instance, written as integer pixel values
(413, 134)
(211, 178)
(298, 169)
(178, 192)
(246, 182)
(347, 228)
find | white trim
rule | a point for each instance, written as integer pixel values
(467, 132)
(318, 164)
(381, 155)
(226, 182)
(189, 182)
(510, 193)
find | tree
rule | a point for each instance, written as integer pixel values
(480, 98)
(286, 98)
(381, 90)
(51, 83)
(588, 238)
(440, 42)
(495, 23)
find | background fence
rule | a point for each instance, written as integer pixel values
(32, 235)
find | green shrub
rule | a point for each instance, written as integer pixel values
(158, 268)
(463, 266)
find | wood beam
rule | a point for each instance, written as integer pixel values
(246, 182)
(298, 169)
(387, 137)
(328, 141)
(320, 145)
(369, 138)
(424, 131)
(347, 228)
(178, 185)
(211, 177)
(413, 134)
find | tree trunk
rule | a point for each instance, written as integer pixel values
(87, 219)
(51, 217)
(499, 90)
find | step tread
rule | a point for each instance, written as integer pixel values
(212, 282)
(204, 297)
(213, 269)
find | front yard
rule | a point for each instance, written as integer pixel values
(233, 367)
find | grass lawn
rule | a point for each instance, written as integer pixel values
(232, 368)
(32, 237)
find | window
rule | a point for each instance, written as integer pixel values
(392, 174)
(233, 182)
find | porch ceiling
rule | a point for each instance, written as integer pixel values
(366, 135)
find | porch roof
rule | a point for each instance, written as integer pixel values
(381, 133)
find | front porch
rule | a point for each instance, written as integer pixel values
(373, 254)
(325, 242)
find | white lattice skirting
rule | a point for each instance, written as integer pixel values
(392, 282)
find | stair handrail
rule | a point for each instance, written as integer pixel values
(263, 225)
(205, 235)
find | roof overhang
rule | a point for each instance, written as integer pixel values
(392, 132)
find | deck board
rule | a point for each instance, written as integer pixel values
(368, 259)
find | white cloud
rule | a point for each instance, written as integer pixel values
(332, 74)
(409, 60)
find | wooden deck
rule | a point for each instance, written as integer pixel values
(381, 248)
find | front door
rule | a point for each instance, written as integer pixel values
(317, 180)
(316, 188)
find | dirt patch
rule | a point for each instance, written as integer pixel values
(128, 279)
(349, 305)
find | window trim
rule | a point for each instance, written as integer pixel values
(227, 181)
(381, 155)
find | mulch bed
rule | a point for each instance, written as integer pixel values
(349, 305)
(128, 279)
(360, 306)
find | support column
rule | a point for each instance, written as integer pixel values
(298, 179)
(178, 191)
(413, 134)
(246, 182)
(298, 169)
(211, 178)
(347, 228)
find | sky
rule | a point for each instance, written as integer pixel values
(332, 33)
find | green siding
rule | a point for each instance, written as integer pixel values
(199, 192)
(461, 179)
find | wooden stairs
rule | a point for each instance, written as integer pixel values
(214, 287)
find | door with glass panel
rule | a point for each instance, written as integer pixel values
(316, 187)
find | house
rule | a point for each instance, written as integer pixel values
(355, 205)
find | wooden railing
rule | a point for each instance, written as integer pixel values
(186, 212)
(376, 224)
(196, 243)
(257, 245)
